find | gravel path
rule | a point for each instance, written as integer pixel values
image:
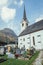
(39, 60)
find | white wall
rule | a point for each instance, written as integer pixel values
(25, 26)
(26, 42)
(38, 40)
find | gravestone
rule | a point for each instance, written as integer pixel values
(10, 55)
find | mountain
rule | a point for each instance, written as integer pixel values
(7, 34)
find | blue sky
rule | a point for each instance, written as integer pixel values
(11, 13)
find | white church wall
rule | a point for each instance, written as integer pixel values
(25, 42)
(28, 42)
(38, 39)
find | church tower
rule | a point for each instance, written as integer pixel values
(24, 23)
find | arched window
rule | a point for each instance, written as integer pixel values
(33, 40)
(27, 24)
(22, 24)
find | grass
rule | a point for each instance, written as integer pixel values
(42, 62)
(4, 56)
(20, 62)
(33, 58)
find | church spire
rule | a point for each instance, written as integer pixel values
(24, 15)
(24, 23)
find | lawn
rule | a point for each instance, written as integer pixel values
(42, 62)
(4, 56)
(20, 62)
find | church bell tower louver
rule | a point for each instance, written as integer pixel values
(24, 23)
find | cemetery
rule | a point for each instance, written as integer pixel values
(19, 56)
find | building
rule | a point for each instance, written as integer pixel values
(24, 22)
(31, 35)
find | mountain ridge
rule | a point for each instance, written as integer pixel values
(8, 33)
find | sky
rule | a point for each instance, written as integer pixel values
(11, 13)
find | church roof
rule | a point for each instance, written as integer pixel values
(33, 28)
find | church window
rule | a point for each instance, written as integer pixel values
(23, 39)
(22, 24)
(27, 24)
(39, 42)
(20, 43)
(20, 39)
(38, 36)
(28, 38)
(33, 41)
(28, 43)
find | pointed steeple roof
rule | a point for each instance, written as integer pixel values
(24, 14)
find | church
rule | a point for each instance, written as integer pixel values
(31, 35)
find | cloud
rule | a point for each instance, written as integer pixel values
(38, 19)
(11, 25)
(7, 14)
(20, 3)
(15, 2)
(3, 3)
